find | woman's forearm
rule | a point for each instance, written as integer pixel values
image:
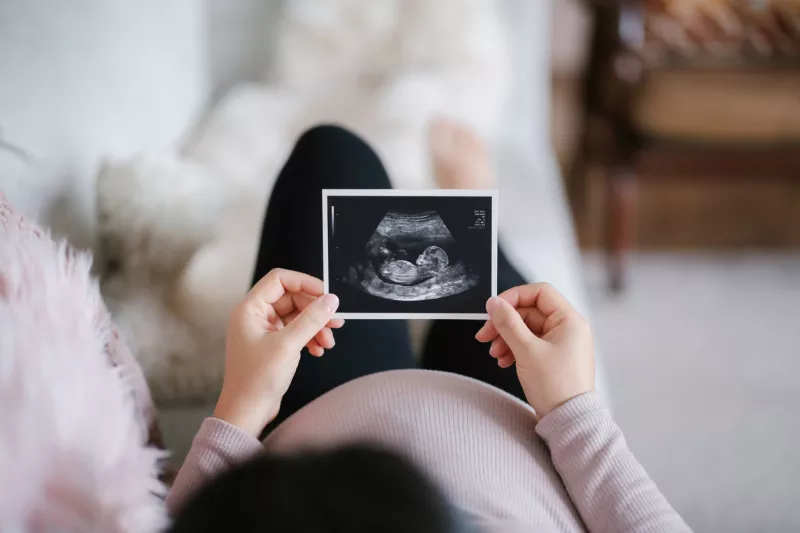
(609, 487)
(216, 448)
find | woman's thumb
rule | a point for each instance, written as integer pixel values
(311, 320)
(509, 324)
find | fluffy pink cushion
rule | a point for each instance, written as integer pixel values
(76, 413)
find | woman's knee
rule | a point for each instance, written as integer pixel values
(340, 158)
(325, 137)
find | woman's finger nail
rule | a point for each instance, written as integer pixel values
(493, 304)
(331, 302)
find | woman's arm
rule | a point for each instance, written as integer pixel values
(216, 448)
(281, 314)
(605, 481)
(535, 327)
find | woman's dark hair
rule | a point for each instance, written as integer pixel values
(354, 489)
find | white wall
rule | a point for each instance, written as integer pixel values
(84, 78)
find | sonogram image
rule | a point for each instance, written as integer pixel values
(407, 259)
(400, 254)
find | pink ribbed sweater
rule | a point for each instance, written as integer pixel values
(570, 472)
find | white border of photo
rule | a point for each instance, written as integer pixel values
(493, 193)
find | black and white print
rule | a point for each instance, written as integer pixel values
(410, 254)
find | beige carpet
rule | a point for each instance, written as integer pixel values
(703, 359)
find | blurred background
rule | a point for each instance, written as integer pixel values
(676, 125)
(647, 154)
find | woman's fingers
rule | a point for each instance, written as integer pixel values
(533, 318)
(506, 361)
(289, 306)
(315, 349)
(499, 348)
(541, 296)
(256, 310)
(486, 333)
(279, 282)
(510, 325)
(536, 303)
(290, 302)
(323, 339)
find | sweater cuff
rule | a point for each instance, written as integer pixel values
(569, 413)
(222, 435)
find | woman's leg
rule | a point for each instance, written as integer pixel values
(461, 161)
(326, 157)
(451, 344)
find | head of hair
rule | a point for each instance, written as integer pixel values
(354, 489)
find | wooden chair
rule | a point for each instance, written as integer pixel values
(701, 88)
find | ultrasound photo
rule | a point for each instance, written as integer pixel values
(410, 254)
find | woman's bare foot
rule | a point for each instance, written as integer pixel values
(460, 158)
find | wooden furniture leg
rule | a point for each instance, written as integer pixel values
(592, 105)
(621, 213)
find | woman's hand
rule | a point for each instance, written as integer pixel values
(281, 314)
(550, 341)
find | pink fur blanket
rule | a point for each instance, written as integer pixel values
(75, 411)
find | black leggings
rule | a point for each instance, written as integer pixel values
(329, 157)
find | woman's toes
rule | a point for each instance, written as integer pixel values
(460, 156)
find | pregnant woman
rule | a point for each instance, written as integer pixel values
(492, 449)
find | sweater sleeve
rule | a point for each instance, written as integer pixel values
(609, 487)
(217, 447)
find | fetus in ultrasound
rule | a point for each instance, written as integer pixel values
(411, 256)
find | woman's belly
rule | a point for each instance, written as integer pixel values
(477, 442)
